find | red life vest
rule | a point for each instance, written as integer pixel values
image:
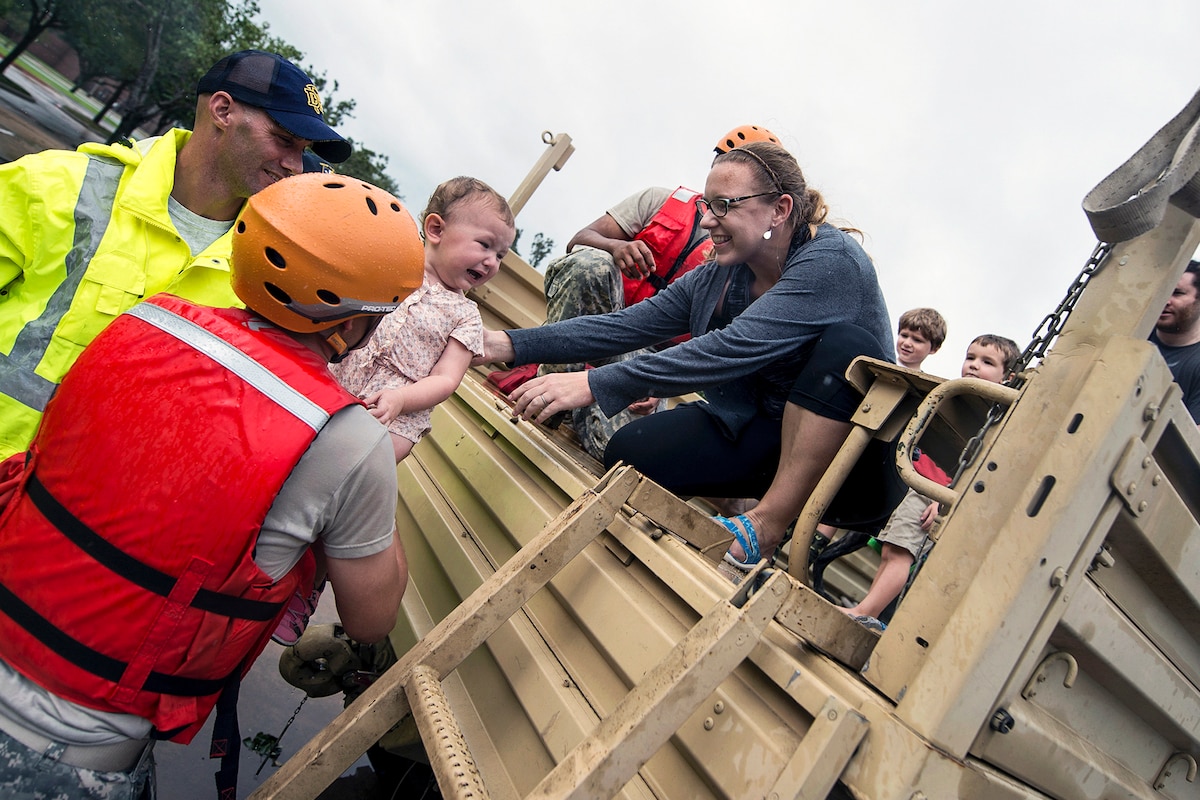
(127, 574)
(678, 243)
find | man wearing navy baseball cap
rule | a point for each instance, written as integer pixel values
(277, 86)
(90, 232)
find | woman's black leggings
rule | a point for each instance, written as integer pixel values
(688, 451)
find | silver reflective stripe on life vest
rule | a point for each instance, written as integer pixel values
(235, 361)
(92, 214)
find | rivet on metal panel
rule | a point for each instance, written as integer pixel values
(719, 707)
(866, 407)
(1156, 480)
(1142, 506)
(1131, 488)
(709, 723)
(832, 715)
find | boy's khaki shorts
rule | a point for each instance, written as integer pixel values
(903, 528)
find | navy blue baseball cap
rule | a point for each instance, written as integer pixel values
(277, 86)
(314, 163)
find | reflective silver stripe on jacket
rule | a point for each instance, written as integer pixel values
(235, 361)
(92, 214)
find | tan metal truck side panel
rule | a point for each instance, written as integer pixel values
(572, 634)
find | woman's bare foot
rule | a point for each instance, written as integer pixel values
(767, 540)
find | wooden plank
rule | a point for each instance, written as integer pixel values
(671, 514)
(817, 621)
(651, 712)
(559, 149)
(823, 753)
(384, 704)
(448, 753)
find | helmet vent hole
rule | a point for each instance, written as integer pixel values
(396, 299)
(371, 205)
(395, 206)
(241, 226)
(278, 294)
(329, 297)
(276, 258)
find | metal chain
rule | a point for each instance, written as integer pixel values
(1044, 336)
(268, 745)
(1053, 323)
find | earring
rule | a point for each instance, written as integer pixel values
(767, 235)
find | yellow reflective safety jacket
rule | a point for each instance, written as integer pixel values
(84, 235)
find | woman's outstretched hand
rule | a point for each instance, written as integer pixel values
(538, 399)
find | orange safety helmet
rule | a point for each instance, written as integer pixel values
(741, 135)
(316, 249)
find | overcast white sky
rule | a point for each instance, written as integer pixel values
(960, 137)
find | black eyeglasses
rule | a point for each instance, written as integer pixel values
(719, 206)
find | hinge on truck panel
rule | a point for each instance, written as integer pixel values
(1137, 477)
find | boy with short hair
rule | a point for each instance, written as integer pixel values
(919, 334)
(905, 536)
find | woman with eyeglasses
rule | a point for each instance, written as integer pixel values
(776, 318)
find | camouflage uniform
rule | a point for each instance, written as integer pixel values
(582, 283)
(26, 774)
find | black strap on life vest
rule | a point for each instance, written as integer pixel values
(95, 662)
(227, 738)
(138, 572)
(153, 580)
(660, 282)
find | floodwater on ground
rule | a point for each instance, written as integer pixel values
(265, 703)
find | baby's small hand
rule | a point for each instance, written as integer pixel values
(385, 405)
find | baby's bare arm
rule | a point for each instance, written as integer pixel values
(442, 380)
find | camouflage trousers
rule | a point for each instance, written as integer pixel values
(579, 284)
(26, 774)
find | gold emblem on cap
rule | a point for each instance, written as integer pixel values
(314, 99)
